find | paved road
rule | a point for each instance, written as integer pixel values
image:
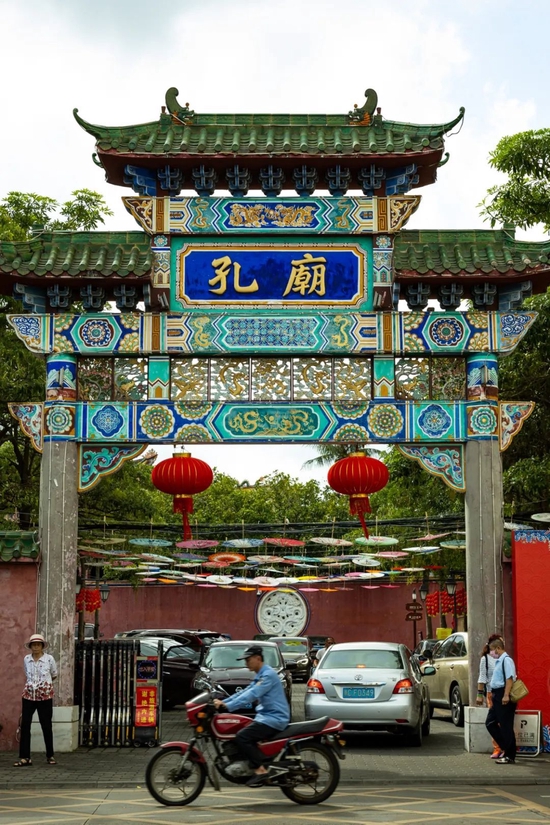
(432, 805)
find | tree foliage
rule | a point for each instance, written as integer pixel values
(22, 214)
(524, 199)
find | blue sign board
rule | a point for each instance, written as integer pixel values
(292, 275)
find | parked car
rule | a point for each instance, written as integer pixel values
(193, 638)
(296, 649)
(180, 664)
(371, 686)
(89, 628)
(449, 682)
(423, 649)
(221, 665)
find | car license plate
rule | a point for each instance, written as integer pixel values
(358, 693)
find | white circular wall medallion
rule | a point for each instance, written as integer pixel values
(282, 613)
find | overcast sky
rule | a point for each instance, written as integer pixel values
(115, 59)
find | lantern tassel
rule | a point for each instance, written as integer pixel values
(358, 506)
(184, 505)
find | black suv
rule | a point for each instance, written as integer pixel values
(221, 665)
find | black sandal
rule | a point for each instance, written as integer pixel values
(51, 761)
(23, 763)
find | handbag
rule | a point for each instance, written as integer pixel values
(519, 690)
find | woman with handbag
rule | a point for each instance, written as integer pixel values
(486, 669)
(500, 719)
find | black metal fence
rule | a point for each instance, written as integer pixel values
(106, 690)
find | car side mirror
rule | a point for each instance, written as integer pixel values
(429, 670)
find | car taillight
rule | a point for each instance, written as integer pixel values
(315, 686)
(403, 686)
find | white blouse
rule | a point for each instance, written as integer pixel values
(40, 674)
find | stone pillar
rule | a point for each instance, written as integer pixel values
(57, 578)
(484, 533)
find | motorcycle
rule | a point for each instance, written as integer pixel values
(303, 758)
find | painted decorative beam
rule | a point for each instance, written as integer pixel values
(339, 216)
(214, 332)
(206, 422)
(513, 415)
(30, 417)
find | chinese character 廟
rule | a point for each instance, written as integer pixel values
(222, 268)
(307, 275)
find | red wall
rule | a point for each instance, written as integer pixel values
(18, 581)
(531, 560)
(352, 614)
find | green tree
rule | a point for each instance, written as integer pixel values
(22, 374)
(329, 453)
(524, 198)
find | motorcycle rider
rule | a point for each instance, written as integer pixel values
(272, 711)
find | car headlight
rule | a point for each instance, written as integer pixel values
(304, 661)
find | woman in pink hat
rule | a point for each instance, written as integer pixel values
(40, 671)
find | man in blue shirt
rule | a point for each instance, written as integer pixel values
(500, 719)
(272, 711)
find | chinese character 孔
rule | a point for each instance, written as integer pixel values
(222, 268)
(307, 275)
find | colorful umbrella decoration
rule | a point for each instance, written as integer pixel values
(430, 537)
(284, 542)
(541, 517)
(455, 544)
(266, 559)
(366, 561)
(227, 558)
(242, 544)
(328, 542)
(392, 554)
(420, 549)
(197, 544)
(219, 579)
(374, 541)
(150, 542)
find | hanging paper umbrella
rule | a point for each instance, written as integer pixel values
(329, 542)
(182, 477)
(308, 589)
(206, 585)
(374, 574)
(150, 542)
(155, 557)
(284, 542)
(165, 580)
(390, 586)
(301, 558)
(366, 561)
(456, 544)
(265, 581)
(392, 554)
(227, 558)
(197, 544)
(357, 476)
(541, 517)
(215, 564)
(374, 541)
(510, 525)
(412, 569)
(266, 559)
(188, 564)
(370, 586)
(242, 544)
(430, 537)
(219, 579)
(246, 589)
(420, 549)
(287, 580)
(188, 556)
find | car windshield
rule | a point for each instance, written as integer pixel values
(150, 647)
(228, 657)
(292, 645)
(374, 659)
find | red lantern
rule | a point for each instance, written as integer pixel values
(357, 476)
(182, 477)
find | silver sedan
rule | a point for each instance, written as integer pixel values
(371, 686)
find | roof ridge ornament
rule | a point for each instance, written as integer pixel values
(181, 113)
(363, 116)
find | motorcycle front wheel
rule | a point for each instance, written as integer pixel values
(319, 776)
(169, 782)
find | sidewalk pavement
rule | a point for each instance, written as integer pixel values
(371, 759)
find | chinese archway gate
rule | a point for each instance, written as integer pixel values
(270, 318)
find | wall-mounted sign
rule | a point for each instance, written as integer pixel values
(286, 275)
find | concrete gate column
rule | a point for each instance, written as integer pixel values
(484, 534)
(57, 578)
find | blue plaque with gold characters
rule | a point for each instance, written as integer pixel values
(293, 275)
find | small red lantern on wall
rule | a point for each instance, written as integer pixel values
(357, 476)
(182, 476)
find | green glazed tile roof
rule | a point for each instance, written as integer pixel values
(79, 253)
(490, 251)
(15, 544)
(183, 132)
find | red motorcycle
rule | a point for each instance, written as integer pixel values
(303, 758)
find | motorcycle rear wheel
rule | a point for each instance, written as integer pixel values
(163, 783)
(316, 790)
